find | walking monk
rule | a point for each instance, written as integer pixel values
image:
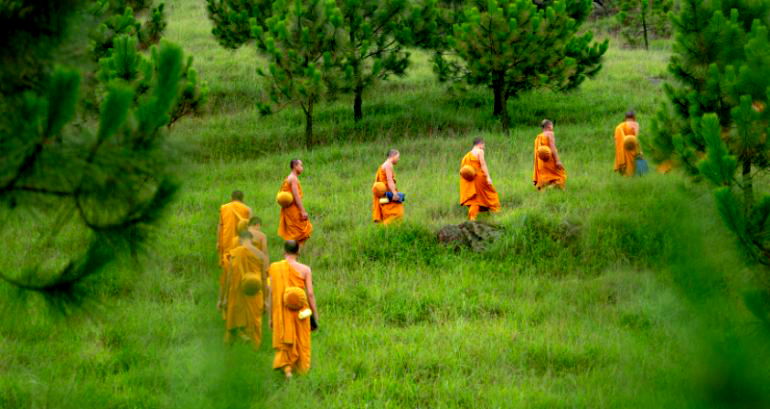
(254, 226)
(291, 287)
(477, 194)
(294, 223)
(243, 312)
(230, 215)
(392, 210)
(627, 145)
(548, 168)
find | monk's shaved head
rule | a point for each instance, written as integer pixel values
(392, 153)
(255, 221)
(478, 141)
(291, 247)
(293, 163)
(630, 114)
(546, 123)
(237, 195)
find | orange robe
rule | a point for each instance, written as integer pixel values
(291, 226)
(229, 216)
(389, 212)
(291, 335)
(243, 315)
(625, 161)
(477, 194)
(546, 173)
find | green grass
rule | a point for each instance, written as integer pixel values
(572, 307)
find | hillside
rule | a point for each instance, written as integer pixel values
(574, 306)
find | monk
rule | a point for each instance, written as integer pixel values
(548, 172)
(291, 332)
(478, 194)
(260, 239)
(294, 223)
(243, 314)
(393, 210)
(230, 215)
(625, 160)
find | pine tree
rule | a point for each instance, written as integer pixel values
(715, 123)
(233, 19)
(118, 22)
(78, 194)
(299, 43)
(512, 46)
(374, 33)
(641, 19)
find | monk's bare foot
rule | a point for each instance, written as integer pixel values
(287, 372)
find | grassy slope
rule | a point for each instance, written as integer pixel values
(566, 310)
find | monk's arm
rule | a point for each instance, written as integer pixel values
(310, 293)
(269, 302)
(219, 232)
(224, 290)
(391, 183)
(264, 246)
(297, 199)
(483, 161)
(552, 142)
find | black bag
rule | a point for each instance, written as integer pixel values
(313, 323)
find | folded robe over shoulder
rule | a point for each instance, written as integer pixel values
(244, 313)
(291, 335)
(291, 226)
(625, 160)
(477, 191)
(546, 172)
(385, 213)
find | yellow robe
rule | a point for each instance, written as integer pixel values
(389, 212)
(625, 161)
(243, 315)
(229, 216)
(291, 226)
(477, 194)
(546, 173)
(291, 336)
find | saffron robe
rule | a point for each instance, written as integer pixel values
(229, 216)
(477, 192)
(291, 226)
(243, 315)
(546, 172)
(625, 160)
(291, 335)
(389, 212)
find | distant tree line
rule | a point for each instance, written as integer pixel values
(317, 49)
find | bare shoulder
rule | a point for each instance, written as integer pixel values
(292, 177)
(387, 165)
(303, 269)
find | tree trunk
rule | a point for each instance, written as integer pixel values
(358, 113)
(309, 124)
(748, 190)
(645, 29)
(498, 86)
(506, 120)
(501, 100)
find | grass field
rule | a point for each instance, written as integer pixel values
(574, 307)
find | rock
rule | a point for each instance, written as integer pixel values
(473, 235)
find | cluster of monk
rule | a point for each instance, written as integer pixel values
(251, 286)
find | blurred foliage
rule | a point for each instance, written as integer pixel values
(715, 123)
(85, 192)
